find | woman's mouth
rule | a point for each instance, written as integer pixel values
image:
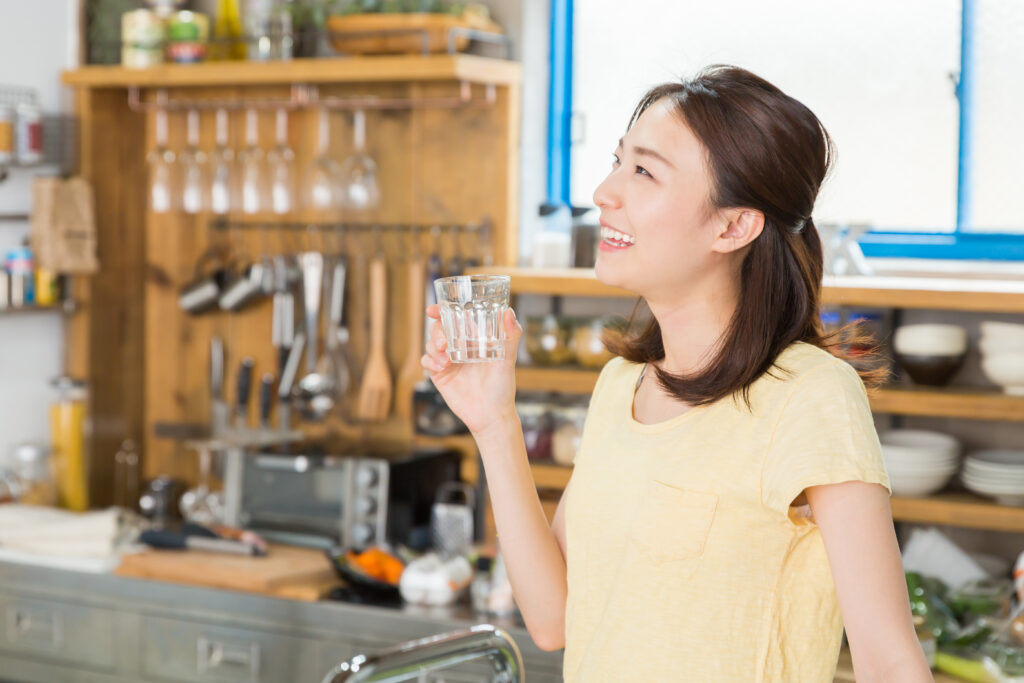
(613, 240)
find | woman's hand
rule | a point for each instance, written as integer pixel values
(482, 395)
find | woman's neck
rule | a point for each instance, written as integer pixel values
(692, 326)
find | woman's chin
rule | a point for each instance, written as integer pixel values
(608, 275)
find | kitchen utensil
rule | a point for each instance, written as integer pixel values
(159, 501)
(472, 315)
(333, 363)
(281, 163)
(192, 161)
(266, 396)
(284, 387)
(283, 332)
(375, 390)
(244, 387)
(161, 169)
(313, 393)
(201, 504)
(175, 540)
(359, 189)
(451, 523)
(247, 286)
(252, 167)
(412, 372)
(203, 292)
(222, 169)
(322, 175)
(218, 405)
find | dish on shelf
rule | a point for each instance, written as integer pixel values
(1006, 369)
(919, 462)
(930, 354)
(999, 337)
(996, 473)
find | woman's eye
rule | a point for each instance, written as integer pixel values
(615, 160)
(643, 171)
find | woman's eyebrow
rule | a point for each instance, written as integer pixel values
(648, 152)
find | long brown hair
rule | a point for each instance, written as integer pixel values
(766, 151)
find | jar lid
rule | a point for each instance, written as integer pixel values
(27, 453)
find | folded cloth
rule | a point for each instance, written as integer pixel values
(48, 531)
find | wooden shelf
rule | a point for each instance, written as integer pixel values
(405, 68)
(550, 476)
(958, 509)
(940, 293)
(971, 404)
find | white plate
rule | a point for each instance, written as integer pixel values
(998, 456)
(992, 488)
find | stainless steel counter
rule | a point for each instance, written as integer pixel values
(66, 625)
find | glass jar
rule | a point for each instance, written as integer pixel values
(537, 429)
(67, 423)
(568, 431)
(547, 341)
(587, 345)
(33, 471)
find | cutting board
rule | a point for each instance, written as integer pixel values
(285, 572)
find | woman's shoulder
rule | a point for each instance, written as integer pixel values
(802, 361)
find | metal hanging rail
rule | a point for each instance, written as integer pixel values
(342, 226)
(308, 96)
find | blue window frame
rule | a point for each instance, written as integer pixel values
(962, 244)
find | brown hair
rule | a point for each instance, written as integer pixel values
(765, 151)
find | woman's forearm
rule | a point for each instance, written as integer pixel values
(530, 550)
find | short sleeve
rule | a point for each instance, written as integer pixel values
(824, 435)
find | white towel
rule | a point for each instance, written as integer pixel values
(52, 532)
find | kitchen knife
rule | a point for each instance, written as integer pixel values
(244, 388)
(284, 387)
(218, 406)
(173, 540)
(266, 395)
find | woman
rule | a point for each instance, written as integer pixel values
(728, 511)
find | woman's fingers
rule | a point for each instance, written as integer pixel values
(437, 337)
(434, 311)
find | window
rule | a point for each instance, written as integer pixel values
(880, 75)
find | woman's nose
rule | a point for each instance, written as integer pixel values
(607, 194)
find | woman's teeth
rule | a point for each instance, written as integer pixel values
(616, 237)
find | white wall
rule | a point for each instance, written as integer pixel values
(39, 39)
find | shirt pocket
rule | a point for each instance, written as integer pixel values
(672, 524)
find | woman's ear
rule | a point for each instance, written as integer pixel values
(741, 227)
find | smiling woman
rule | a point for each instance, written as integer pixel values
(727, 514)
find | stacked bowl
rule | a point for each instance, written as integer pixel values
(1002, 355)
(931, 354)
(997, 474)
(919, 462)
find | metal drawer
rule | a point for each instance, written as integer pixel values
(58, 631)
(180, 650)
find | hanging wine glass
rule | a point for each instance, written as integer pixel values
(322, 175)
(359, 191)
(281, 161)
(161, 168)
(222, 168)
(252, 164)
(192, 161)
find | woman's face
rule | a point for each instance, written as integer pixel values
(657, 231)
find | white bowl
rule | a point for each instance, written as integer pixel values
(930, 340)
(1005, 369)
(918, 445)
(916, 484)
(1014, 476)
(998, 336)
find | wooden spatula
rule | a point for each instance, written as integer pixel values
(375, 390)
(412, 372)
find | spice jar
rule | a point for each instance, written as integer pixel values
(67, 423)
(537, 429)
(587, 344)
(6, 135)
(33, 471)
(547, 341)
(568, 431)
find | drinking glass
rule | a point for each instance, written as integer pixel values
(322, 175)
(359, 191)
(472, 312)
(252, 163)
(192, 161)
(281, 161)
(161, 168)
(222, 168)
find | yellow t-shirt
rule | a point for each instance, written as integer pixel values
(685, 561)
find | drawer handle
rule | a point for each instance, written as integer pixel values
(214, 655)
(35, 627)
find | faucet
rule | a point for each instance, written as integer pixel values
(417, 657)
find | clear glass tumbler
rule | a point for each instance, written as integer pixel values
(472, 309)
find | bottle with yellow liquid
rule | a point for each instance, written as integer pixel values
(67, 427)
(227, 32)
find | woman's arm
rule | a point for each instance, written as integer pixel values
(856, 525)
(533, 551)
